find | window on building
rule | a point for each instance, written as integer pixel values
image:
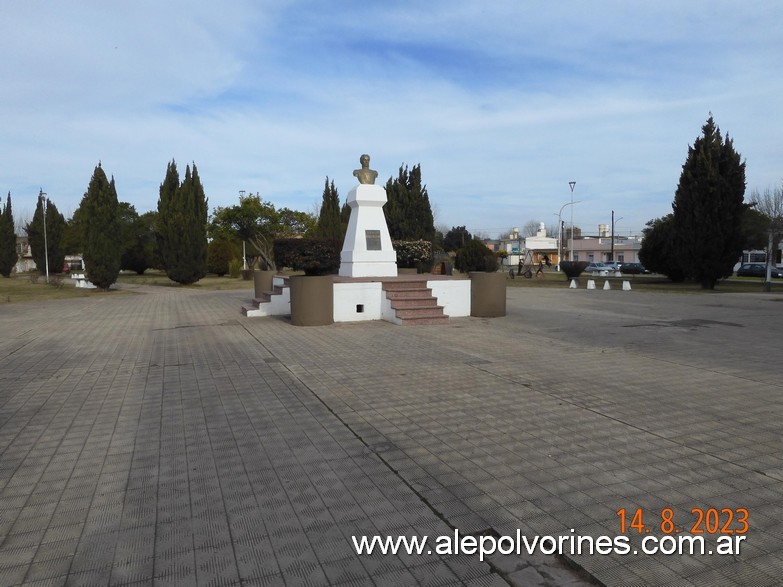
(590, 257)
(621, 258)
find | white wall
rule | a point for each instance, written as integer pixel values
(453, 295)
(347, 296)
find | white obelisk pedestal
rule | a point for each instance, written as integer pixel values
(367, 249)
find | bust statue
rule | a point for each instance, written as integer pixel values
(365, 174)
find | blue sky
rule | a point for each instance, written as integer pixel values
(501, 103)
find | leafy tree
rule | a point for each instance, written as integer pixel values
(73, 238)
(770, 205)
(475, 256)
(408, 211)
(456, 238)
(150, 221)
(259, 223)
(8, 255)
(755, 228)
(658, 252)
(708, 207)
(102, 235)
(329, 222)
(182, 226)
(50, 241)
(138, 252)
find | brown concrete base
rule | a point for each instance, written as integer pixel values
(487, 294)
(312, 300)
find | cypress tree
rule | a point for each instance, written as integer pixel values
(166, 231)
(8, 255)
(50, 241)
(102, 243)
(708, 208)
(182, 226)
(408, 211)
(329, 223)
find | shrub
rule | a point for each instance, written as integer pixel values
(219, 253)
(414, 254)
(475, 256)
(314, 256)
(235, 268)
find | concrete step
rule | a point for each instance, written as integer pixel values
(414, 302)
(266, 296)
(419, 312)
(398, 294)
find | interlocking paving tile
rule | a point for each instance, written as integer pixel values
(170, 443)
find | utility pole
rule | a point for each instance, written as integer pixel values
(42, 198)
(572, 185)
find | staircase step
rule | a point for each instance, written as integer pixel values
(419, 312)
(398, 294)
(417, 302)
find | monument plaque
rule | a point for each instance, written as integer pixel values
(373, 238)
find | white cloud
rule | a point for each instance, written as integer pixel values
(501, 103)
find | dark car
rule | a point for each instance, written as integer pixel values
(633, 268)
(757, 270)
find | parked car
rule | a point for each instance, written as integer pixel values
(613, 265)
(757, 270)
(633, 268)
(597, 268)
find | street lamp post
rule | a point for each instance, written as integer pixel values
(560, 231)
(42, 199)
(244, 250)
(572, 185)
(611, 254)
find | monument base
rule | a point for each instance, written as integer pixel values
(367, 248)
(365, 269)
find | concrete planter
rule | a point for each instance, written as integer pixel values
(312, 300)
(487, 294)
(262, 282)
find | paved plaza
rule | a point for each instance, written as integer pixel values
(158, 437)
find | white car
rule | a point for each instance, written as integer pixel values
(597, 268)
(613, 265)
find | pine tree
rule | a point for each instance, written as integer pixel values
(329, 223)
(102, 233)
(408, 211)
(182, 226)
(708, 208)
(8, 256)
(50, 241)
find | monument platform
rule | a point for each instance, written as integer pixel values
(401, 299)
